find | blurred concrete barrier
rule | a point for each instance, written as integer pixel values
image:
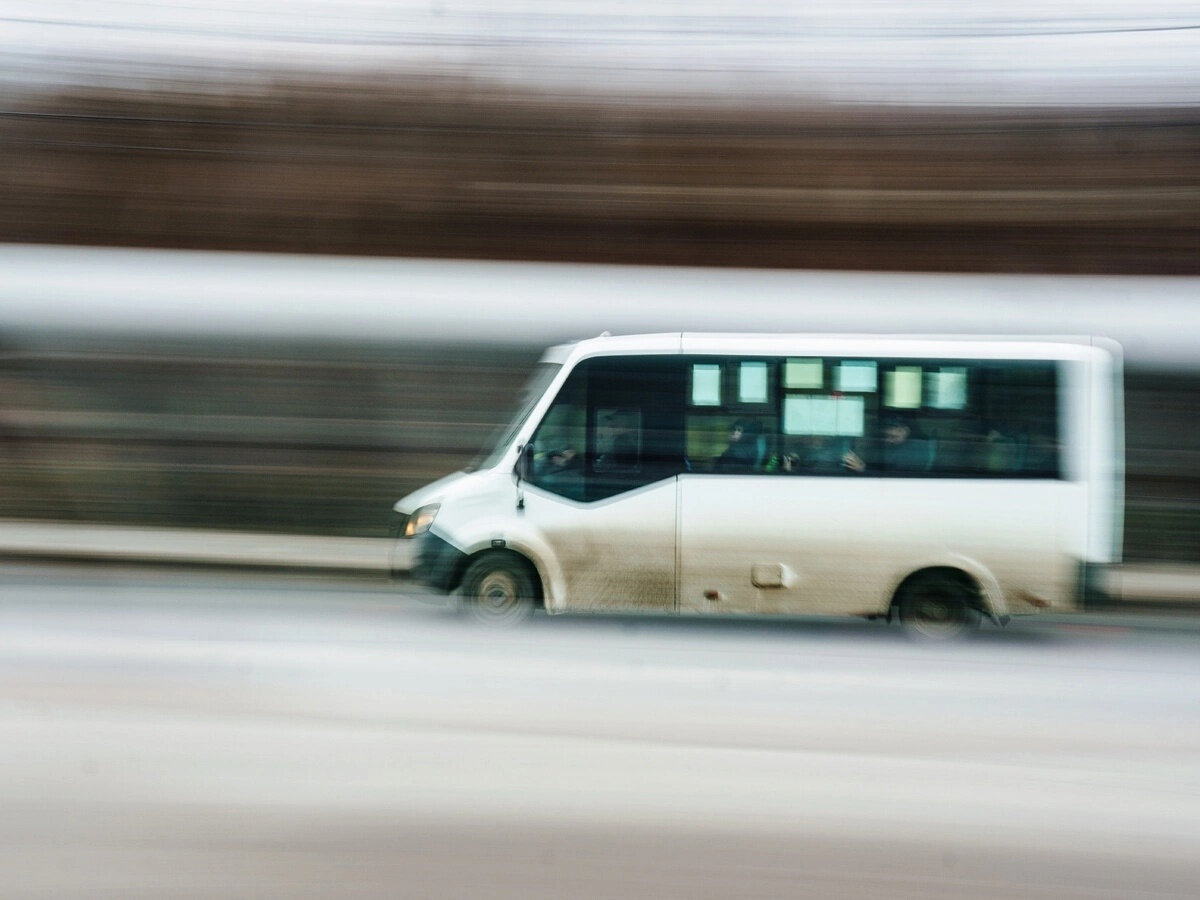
(1150, 583)
(1144, 585)
(188, 546)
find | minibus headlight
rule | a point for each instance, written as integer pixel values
(419, 521)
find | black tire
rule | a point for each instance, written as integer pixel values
(938, 607)
(497, 589)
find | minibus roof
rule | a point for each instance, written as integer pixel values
(931, 346)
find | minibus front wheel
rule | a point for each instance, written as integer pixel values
(498, 589)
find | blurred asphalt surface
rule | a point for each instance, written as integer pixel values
(247, 734)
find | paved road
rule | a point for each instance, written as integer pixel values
(173, 734)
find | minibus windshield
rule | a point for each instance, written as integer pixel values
(500, 439)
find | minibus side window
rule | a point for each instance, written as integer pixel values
(827, 416)
(560, 443)
(890, 418)
(906, 418)
(732, 414)
(616, 425)
(1007, 425)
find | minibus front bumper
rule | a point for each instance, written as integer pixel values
(432, 562)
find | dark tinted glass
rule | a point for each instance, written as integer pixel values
(873, 417)
(616, 425)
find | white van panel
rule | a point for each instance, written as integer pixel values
(848, 541)
(815, 527)
(614, 554)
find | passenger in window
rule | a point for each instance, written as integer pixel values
(618, 437)
(561, 462)
(563, 473)
(826, 456)
(746, 450)
(816, 454)
(789, 464)
(899, 450)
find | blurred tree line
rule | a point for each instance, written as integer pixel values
(455, 167)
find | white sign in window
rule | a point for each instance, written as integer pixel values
(706, 384)
(856, 376)
(824, 415)
(947, 388)
(752, 382)
(851, 416)
(804, 374)
(902, 388)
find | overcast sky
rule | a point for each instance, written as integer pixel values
(941, 51)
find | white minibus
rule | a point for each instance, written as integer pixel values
(937, 480)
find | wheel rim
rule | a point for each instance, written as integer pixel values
(937, 614)
(498, 597)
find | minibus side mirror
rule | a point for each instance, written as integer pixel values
(521, 471)
(524, 463)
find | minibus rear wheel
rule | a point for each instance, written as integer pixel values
(497, 589)
(938, 606)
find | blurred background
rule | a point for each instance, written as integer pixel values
(1016, 139)
(265, 267)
